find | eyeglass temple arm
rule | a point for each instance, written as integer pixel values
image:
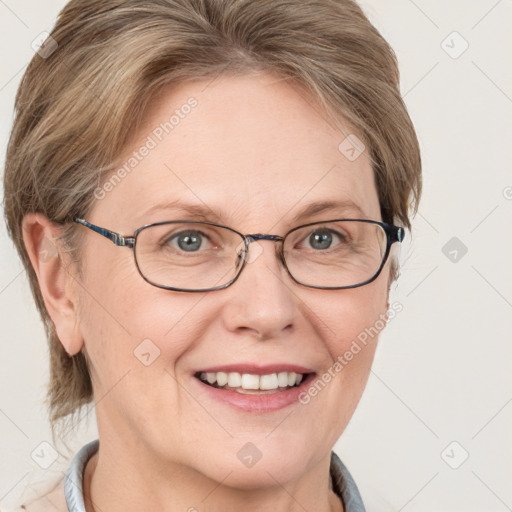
(117, 238)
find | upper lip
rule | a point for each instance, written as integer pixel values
(257, 369)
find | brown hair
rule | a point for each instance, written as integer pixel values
(85, 93)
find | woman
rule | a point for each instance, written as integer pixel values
(207, 197)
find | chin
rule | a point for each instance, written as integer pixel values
(252, 468)
(261, 475)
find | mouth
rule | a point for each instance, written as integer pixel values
(253, 383)
(251, 388)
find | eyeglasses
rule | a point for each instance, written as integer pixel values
(189, 256)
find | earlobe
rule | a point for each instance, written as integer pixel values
(56, 283)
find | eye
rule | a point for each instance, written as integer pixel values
(189, 241)
(323, 238)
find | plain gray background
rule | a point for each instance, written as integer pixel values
(432, 432)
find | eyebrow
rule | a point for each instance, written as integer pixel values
(345, 207)
(197, 211)
(202, 212)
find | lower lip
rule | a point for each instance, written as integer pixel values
(257, 403)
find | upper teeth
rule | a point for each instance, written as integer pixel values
(251, 381)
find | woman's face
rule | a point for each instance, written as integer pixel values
(257, 152)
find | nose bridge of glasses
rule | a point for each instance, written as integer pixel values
(259, 236)
(256, 237)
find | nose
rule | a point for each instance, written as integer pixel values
(261, 301)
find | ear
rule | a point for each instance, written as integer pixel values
(56, 283)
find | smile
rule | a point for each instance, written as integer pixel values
(255, 392)
(252, 383)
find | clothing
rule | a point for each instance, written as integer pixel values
(67, 495)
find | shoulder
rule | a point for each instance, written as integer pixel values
(51, 500)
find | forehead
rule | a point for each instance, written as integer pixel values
(253, 150)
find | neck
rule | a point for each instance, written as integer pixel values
(121, 486)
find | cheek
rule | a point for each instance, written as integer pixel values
(132, 327)
(356, 314)
(134, 346)
(354, 322)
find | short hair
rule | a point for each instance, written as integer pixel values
(85, 93)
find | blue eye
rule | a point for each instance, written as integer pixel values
(322, 239)
(188, 241)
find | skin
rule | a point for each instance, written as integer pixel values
(256, 150)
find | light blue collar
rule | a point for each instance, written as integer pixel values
(74, 477)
